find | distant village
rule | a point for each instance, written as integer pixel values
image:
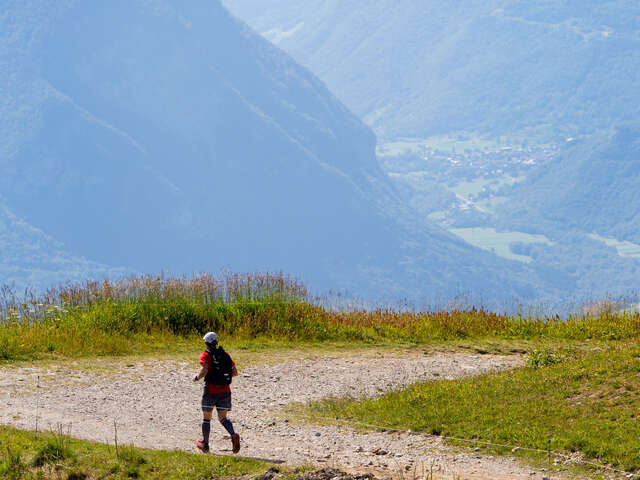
(469, 164)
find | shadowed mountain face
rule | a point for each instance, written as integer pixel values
(493, 67)
(161, 134)
(30, 259)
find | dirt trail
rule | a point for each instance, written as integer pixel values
(156, 405)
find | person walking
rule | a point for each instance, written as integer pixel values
(217, 369)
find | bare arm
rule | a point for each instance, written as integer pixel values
(203, 373)
(234, 371)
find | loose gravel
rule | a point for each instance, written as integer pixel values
(155, 404)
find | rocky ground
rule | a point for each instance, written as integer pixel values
(155, 404)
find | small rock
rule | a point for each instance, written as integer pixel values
(269, 474)
(359, 449)
(317, 434)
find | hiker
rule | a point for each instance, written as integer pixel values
(217, 371)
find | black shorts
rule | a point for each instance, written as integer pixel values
(221, 401)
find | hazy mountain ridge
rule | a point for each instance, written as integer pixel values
(148, 138)
(29, 258)
(502, 67)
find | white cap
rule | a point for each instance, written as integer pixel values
(210, 338)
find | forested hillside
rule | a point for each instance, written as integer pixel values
(30, 259)
(536, 69)
(591, 186)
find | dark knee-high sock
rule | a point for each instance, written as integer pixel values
(206, 430)
(226, 423)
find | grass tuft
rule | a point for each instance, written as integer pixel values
(53, 449)
(545, 357)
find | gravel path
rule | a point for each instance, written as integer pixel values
(156, 405)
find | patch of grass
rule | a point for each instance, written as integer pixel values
(53, 449)
(146, 315)
(499, 242)
(12, 466)
(539, 358)
(585, 402)
(27, 455)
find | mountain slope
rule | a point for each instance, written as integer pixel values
(498, 67)
(31, 259)
(161, 134)
(591, 186)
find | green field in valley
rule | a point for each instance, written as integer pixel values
(499, 242)
(625, 249)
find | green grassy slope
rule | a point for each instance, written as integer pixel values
(53, 455)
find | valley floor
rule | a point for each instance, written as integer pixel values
(156, 405)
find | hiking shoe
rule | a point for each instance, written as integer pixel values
(203, 447)
(235, 440)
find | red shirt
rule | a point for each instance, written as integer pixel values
(205, 359)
